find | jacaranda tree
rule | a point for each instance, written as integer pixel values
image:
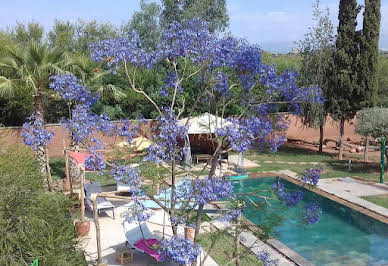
(226, 70)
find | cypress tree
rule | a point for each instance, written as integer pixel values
(369, 51)
(344, 93)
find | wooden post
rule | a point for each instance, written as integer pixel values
(67, 166)
(48, 170)
(97, 224)
(82, 194)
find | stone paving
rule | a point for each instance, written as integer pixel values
(113, 238)
(250, 241)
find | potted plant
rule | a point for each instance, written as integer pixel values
(66, 185)
(190, 231)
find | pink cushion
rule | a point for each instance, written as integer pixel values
(141, 244)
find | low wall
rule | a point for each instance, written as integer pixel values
(12, 135)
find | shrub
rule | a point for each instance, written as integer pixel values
(33, 224)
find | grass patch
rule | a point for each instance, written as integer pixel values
(222, 251)
(57, 166)
(104, 179)
(331, 166)
(381, 200)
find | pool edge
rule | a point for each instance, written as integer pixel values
(347, 203)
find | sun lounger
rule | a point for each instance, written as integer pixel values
(136, 241)
(165, 197)
(102, 203)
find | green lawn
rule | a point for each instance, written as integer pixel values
(57, 166)
(149, 171)
(381, 200)
(330, 165)
(222, 251)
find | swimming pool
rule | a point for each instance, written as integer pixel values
(342, 237)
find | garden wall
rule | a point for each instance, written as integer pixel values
(12, 135)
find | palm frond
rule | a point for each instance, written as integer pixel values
(110, 91)
(6, 87)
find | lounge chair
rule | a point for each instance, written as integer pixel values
(102, 203)
(136, 241)
(165, 197)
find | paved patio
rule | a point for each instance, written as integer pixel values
(113, 238)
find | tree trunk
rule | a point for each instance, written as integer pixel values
(49, 177)
(366, 149)
(39, 112)
(213, 168)
(341, 139)
(187, 149)
(172, 207)
(240, 163)
(320, 138)
(38, 105)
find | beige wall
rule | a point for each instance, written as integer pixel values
(12, 135)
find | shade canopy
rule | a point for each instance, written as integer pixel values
(204, 124)
(139, 143)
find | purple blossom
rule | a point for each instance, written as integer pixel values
(169, 83)
(178, 220)
(128, 130)
(265, 258)
(311, 176)
(115, 51)
(128, 175)
(95, 162)
(84, 123)
(34, 134)
(180, 250)
(137, 213)
(71, 90)
(165, 146)
(222, 85)
(230, 215)
(312, 213)
(211, 189)
(289, 198)
(259, 131)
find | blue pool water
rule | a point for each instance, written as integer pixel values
(342, 237)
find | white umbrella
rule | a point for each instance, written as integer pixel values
(204, 124)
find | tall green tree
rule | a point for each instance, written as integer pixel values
(62, 35)
(382, 81)
(369, 51)
(30, 32)
(146, 23)
(212, 11)
(317, 60)
(345, 95)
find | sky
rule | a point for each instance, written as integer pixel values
(275, 24)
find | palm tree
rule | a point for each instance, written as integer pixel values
(83, 67)
(31, 68)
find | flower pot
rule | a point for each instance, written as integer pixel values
(189, 232)
(66, 185)
(82, 226)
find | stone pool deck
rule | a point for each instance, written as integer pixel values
(351, 190)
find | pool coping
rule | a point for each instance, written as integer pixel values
(283, 249)
(371, 213)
